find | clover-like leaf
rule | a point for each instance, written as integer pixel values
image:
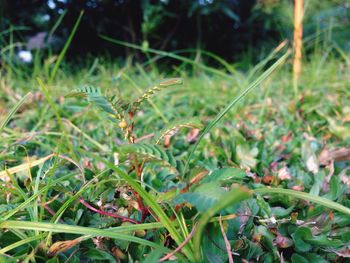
(301, 237)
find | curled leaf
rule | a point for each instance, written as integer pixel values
(61, 246)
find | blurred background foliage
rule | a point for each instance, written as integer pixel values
(229, 28)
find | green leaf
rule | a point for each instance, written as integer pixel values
(153, 152)
(230, 198)
(98, 254)
(225, 175)
(303, 240)
(297, 258)
(281, 212)
(301, 237)
(311, 257)
(94, 96)
(268, 237)
(168, 54)
(204, 196)
(150, 201)
(265, 208)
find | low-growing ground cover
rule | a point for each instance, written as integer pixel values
(121, 175)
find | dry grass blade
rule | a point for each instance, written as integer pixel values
(61, 246)
(22, 167)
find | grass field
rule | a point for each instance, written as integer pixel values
(185, 172)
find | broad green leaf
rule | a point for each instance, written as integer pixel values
(301, 237)
(268, 237)
(98, 254)
(232, 197)
(297, 258)
(205, 196)
(311, 257)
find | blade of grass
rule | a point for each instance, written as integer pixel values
(305, 196)
(101, 147)
(262, 64)
(79, 230)
(7, 215)
(20, 243)
(234, 196)
(222, 113)
(65, 48)
(167, 54)
(13, 111)
(64, 137)
(57, 23)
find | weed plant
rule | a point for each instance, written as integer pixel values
(174, 173)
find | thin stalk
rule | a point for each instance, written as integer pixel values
(223, 112)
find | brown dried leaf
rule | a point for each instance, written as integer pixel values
(61, 246)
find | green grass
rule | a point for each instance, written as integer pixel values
(273, 142)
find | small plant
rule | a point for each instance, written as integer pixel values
(153, 194)
(161, 179)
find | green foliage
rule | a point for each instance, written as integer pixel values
(204, 197)
(256, 172)
(225, 175)
(149, 152)
(110, 105)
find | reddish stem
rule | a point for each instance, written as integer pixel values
(123, 218)
(52, 212)
(143, 209)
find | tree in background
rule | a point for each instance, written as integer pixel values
(226, 28)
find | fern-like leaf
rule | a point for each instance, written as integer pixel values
(93, 95)
(176, 126)
(149, 93)
(149, 151)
